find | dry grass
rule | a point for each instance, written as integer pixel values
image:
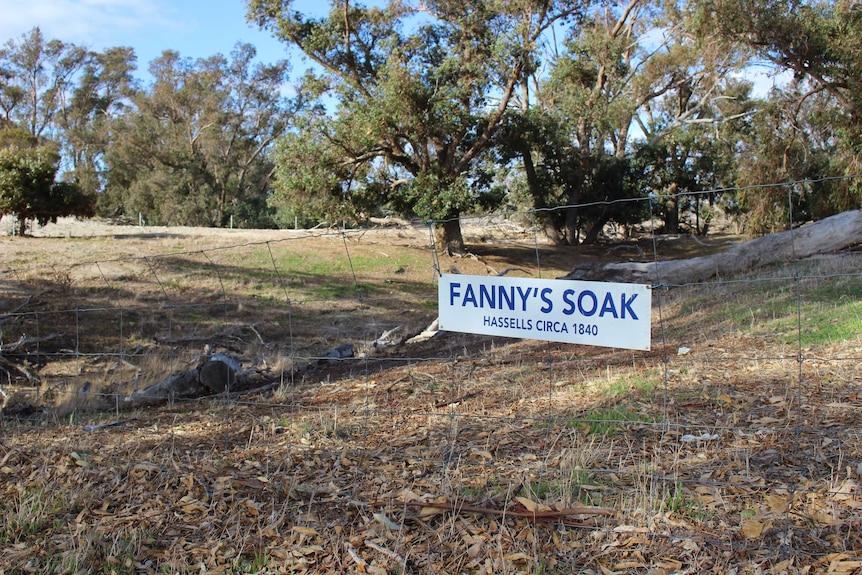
(742, 456)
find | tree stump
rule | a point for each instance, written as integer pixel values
(219, 373)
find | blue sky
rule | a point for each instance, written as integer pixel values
(194, 28)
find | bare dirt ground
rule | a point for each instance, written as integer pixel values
(462, 454)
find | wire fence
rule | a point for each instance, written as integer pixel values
(739, 432)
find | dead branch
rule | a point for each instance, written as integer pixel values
(8, 366)
(10, 314)
(398, 558)
(214, 374)
(539, 517)
(114, 423)
(181, 385)
(457, 400)
(827, 235)
(25, 341)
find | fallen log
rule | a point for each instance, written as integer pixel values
(831, 234)
(178, 386)
(217, 373)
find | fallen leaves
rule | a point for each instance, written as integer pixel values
(754, 528)
(778, 504)
(271, 489)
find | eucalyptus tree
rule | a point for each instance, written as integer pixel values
(36, 79)
(813, 128)
(685, 170)
(28, 186)
(102, 93)
(419, 91)
(632, 74)
(195, 148)
(798, 143)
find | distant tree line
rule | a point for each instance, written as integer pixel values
(441, 108)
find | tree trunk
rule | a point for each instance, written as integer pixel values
(545, 217)
(449, 238)
(828, 235)
(219, 373)
(592, 236)
(572, 228)
(671, 217)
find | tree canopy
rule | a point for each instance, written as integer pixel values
(193, 149)
(28, 186)
(420, 92)
(595, 114)
(812, 130)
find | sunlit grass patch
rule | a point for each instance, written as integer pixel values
(608, 421)
(637, 383)
(807, 303)
(27, 513)
(823, 326)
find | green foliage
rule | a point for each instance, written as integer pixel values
(102, 93)
(420, 93)
(598, 182)
(34, 80)
(814, 126)
(17, 139)
(796, 139)
(195, 150)
(310, 178)
(28, 189)
(26, 514)
(432, 195)
(607, 421)
(436, 109)
(679, 501)
(617, 90)
(623, 386)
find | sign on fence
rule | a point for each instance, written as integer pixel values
(584, 312)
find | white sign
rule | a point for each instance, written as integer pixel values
(569, 311)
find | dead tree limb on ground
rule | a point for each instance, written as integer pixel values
(831, 234)
(13, 313)
(214, 374)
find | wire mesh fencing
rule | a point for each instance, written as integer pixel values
(734, 439)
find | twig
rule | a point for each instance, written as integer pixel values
(8, 455)
(401, 561)
(457, 399)
(114, 423)
(541, 517)
(24, 340)
(8, 365)
(356, 557)
(512, 269)
(515, 512)
(257, 333)
(10, 314)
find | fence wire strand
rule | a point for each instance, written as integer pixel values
(465, 368)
